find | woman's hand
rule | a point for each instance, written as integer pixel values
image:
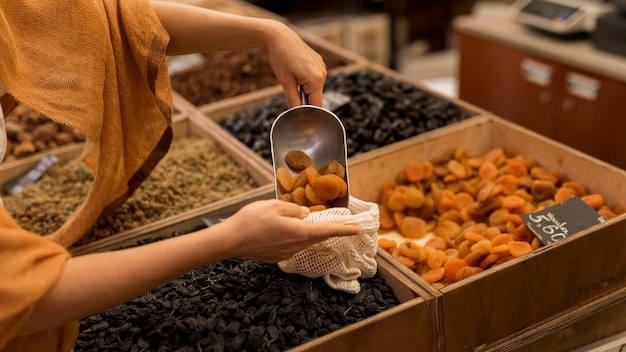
(296, 64)
(194, 29)
(273, 230)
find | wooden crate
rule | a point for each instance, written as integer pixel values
(577, 328)
(411, 325)
(183, 126)
(501, 301)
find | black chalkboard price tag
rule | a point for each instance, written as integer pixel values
(561, 220)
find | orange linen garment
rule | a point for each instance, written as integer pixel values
(29, 266)
(98, 66)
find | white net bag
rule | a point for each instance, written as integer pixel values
(341, 261)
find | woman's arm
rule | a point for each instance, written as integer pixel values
(194, 30)
(269, 231)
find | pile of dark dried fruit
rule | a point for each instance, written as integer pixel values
(234, 305)
(228, 74)
(382, 110)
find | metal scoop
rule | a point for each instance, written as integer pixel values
(314, 130)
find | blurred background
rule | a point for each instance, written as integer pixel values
(411, 36)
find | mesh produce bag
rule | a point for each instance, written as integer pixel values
(341, 261)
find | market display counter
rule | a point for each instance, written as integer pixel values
(561, 87)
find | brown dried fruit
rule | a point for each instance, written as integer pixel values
(297, 160)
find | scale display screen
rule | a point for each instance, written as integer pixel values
(549, 10)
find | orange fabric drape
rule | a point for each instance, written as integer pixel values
(29, 266)
(98, 66)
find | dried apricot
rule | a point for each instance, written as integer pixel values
(536, 243)
(488, 260)
(467, 271)
(527, 160)
(515, 168)
(473, 236)
(408, 262)
(284, 179)
(451, 215)
(311, 196)
(501, 239)
(311, 173)
(523, 233)
(414, 172)
(475, 257)
(511, 202)
(436, 258)
(414, 197)
(593, 200)
(398, 217)
(397, 201)
(509, 184)
(606, 212)
(386, 219)
(286, 197)
(413, 227)
(488, 171)
(495, 156)
(433, 275)
(326, 187)
(437, 243)
(501, 248)
(297, 159)
(411, 253)
(578, 187)
(387, 186)
(448, 229)
(540, 173)
(318, 207)
(484, 244)
(486, 191)
(463, 199)
(386, 243)
(298, 196)
(519, 248)
(564, 193)
(447, 201)
(457, 169)
(542, 190)
(452, 266)
(460, 153)
(333, 167)
(300, 180)
(429, 169)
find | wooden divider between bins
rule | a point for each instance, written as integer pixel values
(580, 325)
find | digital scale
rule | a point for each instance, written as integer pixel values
(561, 16)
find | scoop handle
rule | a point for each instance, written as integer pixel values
(303, 96)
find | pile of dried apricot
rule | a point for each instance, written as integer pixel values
(472, 206)
(311, 187)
